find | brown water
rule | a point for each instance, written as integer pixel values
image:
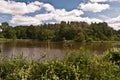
(51, 50)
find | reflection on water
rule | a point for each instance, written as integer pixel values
(36, 50)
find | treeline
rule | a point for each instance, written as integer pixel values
(77, 31)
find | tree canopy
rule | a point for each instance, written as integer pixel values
(77, 31)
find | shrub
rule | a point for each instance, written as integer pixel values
(80, 65)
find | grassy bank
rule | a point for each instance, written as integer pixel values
(5, 40)
(80, 65)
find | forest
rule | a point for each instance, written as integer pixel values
(76, 31)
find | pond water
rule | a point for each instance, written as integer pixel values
(51, 50)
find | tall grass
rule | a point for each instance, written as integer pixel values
(80, 65)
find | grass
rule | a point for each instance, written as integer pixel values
(5, 40)
(80, 65)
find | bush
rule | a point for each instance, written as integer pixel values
(113, 56)
(80, 65)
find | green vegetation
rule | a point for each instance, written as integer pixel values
(75, 31)
(80, 65)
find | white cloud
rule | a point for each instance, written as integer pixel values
(74, 15)
(63, 12)
(114, 22)
(48, 7)
(86, 19)
(19, 9)
(27, 20)
(44, 17)
(116, 26)
(24, 20)
(12, 7)
(56, 15)
(94, 7)
(98, 0)
(114, 0)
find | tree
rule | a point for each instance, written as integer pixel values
(10, 33)
(4, 25)
(80, 37)
(21, 32)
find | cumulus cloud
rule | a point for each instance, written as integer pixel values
(63, 12)
(18, 10)
(15, 8)
(94, 7)
(98, 0)
(48, 7)
(114, 22)
(57, 15)
(115, 26)
(21, 8)
(24, 20)
(40, 18)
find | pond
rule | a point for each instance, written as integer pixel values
(51, 50)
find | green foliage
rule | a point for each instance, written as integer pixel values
(4, 26)
(89, 39)
(80, 65)
(80, 37)
(77, 31)
(10, 33)
(21, 32)
(114, 56)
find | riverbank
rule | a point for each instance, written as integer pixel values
(80, 65)
(5, 40)
(65, 41)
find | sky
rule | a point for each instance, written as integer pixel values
(36, 12)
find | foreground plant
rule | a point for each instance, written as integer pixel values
(80, 65)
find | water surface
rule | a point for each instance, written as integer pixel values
(51, 50)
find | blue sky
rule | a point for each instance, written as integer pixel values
(36, 12)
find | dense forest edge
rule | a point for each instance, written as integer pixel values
(75, 31)
(80, 65)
